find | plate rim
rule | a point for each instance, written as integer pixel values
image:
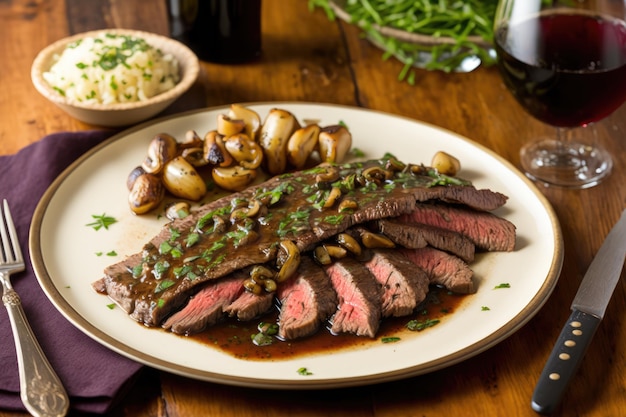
(512, 326)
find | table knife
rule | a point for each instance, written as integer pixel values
(588, 309)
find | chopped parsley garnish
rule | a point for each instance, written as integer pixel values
(274, 195)
(503, 285)
(418, 326)
(165, 247)
(101, 221)
(304, 371)
(137, 270)
(441, 179)
(192, 239)
(160, 268)
(294, 222)
(265, 335)
(334, 219)
(390, 339)
(112, 56)
(164, 285)
(174, 234)
(358, 153)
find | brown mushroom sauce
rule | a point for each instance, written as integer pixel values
(259, 218)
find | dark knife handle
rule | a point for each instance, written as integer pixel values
(564, 361)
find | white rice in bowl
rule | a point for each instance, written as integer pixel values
(112, 68)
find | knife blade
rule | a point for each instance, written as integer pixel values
(588, 308)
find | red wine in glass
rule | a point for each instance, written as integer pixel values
(567, 68)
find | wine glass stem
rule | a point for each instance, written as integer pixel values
(565, 155)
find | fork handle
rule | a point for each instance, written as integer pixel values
(41, 390)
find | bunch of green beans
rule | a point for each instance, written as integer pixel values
(455, 19)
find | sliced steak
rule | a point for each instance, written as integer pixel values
(207, 306)
(486, 230)
(359, 296)
(404, 286)
(249, 306)
(415, 236)
(213, 242)
(307, 300)
(483, 200)
(443, 269)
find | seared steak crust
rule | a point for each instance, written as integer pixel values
(307, 300)
(404, 286)
(360, 298)
(416, 235)
(486, 230)
(443, 269)
(206, 307)
(249, 305)
(218, 239)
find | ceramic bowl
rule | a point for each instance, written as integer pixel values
(117, 114)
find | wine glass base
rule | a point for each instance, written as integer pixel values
(569, 165)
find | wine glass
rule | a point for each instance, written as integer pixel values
(565, 63)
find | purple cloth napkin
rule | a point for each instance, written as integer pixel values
(94, 376)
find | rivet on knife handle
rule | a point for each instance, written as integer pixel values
(564, 361)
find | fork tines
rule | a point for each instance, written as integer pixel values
(9, 246)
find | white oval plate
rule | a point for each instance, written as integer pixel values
(64, 251)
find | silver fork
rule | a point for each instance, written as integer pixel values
(40, 388)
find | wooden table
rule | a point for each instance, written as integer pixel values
(306, 57)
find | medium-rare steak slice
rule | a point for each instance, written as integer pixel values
(245, 228)
(307, 300)
(486, 230)
(206, 308)
(482, 200)
(443, 269)
(249, 306)
(415, 236)
(403, 285)
(360, 298)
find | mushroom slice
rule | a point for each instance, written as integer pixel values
(181, 179)
(192, 140)
(291, 261)
(244, 150)
(445, 163)
(132, 177)
(251, 119)
(177, 210)
(321, 255)
(162, 149)
(235, 178)
(349, 243)
(195, 156)
(215, 151)
(227, 125)
(374, 240)
(334, 143)
(301, 144)
(275, 132)
(146, 193)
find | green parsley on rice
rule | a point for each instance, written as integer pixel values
(111, 69)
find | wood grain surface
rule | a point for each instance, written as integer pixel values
(306, 57)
